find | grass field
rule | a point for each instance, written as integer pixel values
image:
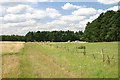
(59, 60)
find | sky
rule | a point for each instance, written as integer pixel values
(21, 16)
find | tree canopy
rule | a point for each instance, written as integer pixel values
(104, 28)
(53, 36)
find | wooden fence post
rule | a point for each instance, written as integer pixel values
(84, 51)
(103, 56)
(108, 59)
(93, 56)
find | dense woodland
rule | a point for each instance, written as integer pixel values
(104, 28)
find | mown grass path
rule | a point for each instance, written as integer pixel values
(35, 63)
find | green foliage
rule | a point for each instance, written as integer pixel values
(104, 28)
(53, 36)
(12, 38)
(30, 36)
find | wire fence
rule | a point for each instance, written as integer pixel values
(100, 55)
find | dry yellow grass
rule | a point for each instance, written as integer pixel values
(10, 67)
(9, 64)
(0, 66)
(11, 47)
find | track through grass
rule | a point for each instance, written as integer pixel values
(55, 60)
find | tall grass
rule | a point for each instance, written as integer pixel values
(87, 66)
(11, 47)
(55, 60)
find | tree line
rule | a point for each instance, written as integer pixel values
(104, 28)
(53, 36)
(12, 38)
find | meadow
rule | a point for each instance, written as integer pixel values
(59, 60)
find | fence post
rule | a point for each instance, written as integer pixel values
(84, 51)
(93, 56)
(103, 56)
(108, 59)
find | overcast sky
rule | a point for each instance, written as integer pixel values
(20, 16)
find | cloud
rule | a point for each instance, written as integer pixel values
(72, 18)
(53, 13)
(114, 8)
(37, 14)
(29, 23)
(23, 17)
(17, 28)
(21, 13)
(80, 17)
(56, 23)
(2, 11)
(68, 22)
(19, 18)
(69, 6)
(63, 25)
(108, 1)
(19, 9)
(11, 18)
(41, 14)
(85, 11)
